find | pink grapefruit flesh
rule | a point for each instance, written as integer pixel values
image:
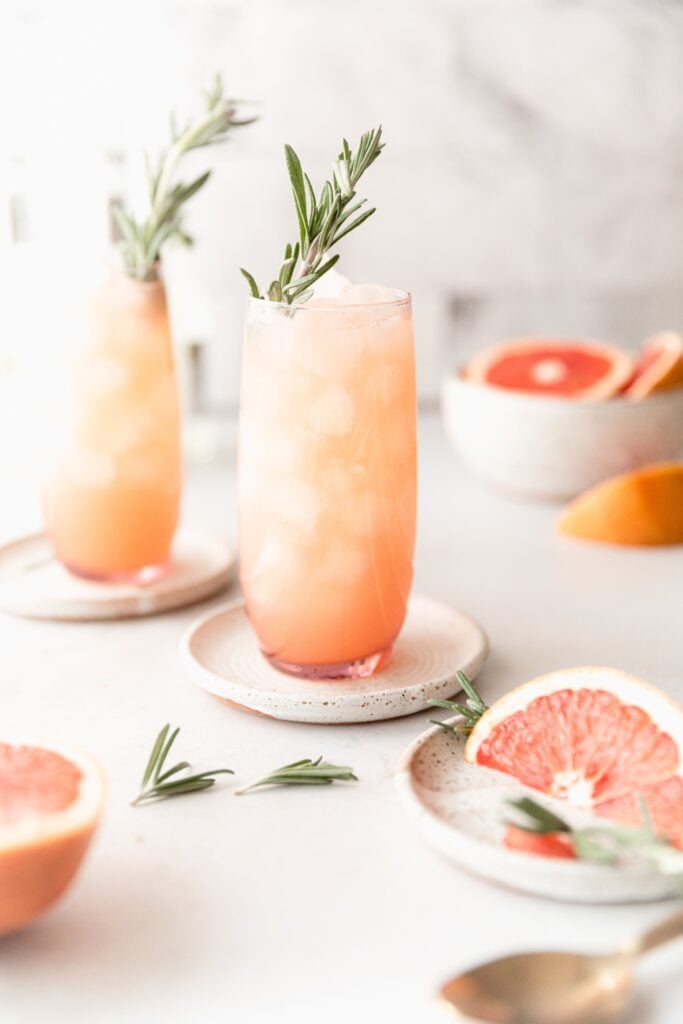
(560, 367)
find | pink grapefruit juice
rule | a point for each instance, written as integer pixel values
(113, 488)
(327, 481)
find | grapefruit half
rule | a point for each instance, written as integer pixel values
(553, 366)
(596, 737)
(659, 367)
(50, 803)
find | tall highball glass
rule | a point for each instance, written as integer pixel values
(327, 481)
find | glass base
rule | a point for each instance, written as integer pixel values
(360, 669)
(142, 577)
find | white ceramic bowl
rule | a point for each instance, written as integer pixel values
(551, 447)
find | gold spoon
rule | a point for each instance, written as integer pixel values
(555, 988)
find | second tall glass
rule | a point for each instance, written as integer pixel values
(113, 485)
(327, 481)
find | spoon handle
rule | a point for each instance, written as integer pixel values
(663, 932)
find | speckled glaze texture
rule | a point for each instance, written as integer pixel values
(540, 446)
(458, 810)
(221, 653)
(34, 584)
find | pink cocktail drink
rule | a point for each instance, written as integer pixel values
(112, 490)
(327, 479)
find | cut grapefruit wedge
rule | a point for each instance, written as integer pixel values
(640, 508)
(561, 367)
(596, 737)
(50, 803)
(660, 366)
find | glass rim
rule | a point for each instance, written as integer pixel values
(402, 298)
(110, 261)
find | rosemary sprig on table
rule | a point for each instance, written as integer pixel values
(143, 239)
(158, 784)
(604, 844)
(323, 220)
(304, 773)
(470, 712)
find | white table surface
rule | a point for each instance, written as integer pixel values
(321, 905)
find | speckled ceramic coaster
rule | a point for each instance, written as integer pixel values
(221, 653)
(34, 584)
(458, 809)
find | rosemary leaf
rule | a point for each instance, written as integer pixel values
(296, 178)
(588, 848)
(252, 283)
(173, 771)
(354, 224)
(459, 729)
(154, 756)
(155, 781)
(304, 773)
(540, 819)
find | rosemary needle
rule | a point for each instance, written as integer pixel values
(304, 773)
(470, 712)
(159, 784)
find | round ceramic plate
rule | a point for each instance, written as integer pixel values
(458, 809)
(221, 653)
(33, 583)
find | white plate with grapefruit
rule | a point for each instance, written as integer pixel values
(597, 747)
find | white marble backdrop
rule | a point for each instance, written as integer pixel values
(532, 179)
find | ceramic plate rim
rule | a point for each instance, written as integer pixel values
(130, 601)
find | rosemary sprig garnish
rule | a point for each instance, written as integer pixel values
(158, 784)
(604, 844)
(470, 712)
(143, 239)
(323, 220)
(304, 773)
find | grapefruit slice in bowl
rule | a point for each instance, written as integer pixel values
(50, 804)
(659, 367)
(564, 368)
(598, 738)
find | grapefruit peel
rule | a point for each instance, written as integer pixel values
(643, 508)
(659, 366)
